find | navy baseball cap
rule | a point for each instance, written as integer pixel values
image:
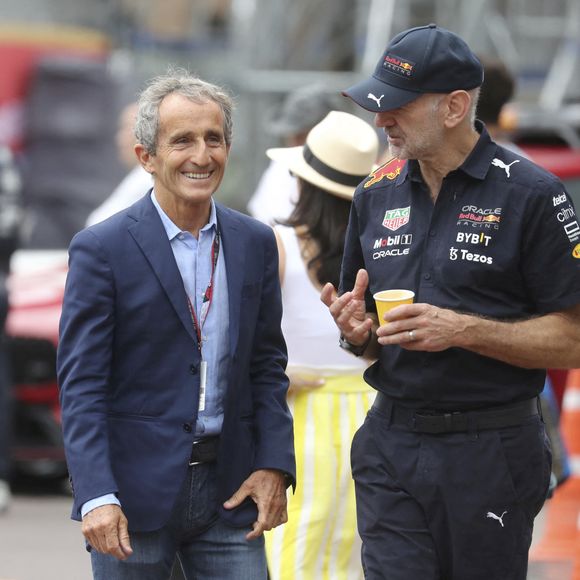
(426, 59)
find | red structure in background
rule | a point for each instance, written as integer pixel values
(559, 379)
(21, 48)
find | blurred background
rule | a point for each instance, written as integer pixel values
(68, 69)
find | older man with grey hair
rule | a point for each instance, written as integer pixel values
(452, 463)
(171, 361)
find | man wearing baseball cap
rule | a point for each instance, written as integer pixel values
(451, 465)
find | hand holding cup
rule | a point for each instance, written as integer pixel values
(386, 300)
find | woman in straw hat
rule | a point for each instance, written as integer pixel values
(328, 397)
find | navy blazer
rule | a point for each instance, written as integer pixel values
(128, 366)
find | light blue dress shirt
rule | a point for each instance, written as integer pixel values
(193, 258)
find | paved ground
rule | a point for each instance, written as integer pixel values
(38, 541)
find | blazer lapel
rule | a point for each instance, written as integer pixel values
(234, 255)
(150, 235)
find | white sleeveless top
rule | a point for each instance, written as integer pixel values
(310, 332)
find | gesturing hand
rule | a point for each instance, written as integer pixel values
(349, 310)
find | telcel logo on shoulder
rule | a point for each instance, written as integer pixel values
(558, 199)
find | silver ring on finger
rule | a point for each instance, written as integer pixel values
(411, 335)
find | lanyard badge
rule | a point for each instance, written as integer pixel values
(198, 325)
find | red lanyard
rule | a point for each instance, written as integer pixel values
(208, 295)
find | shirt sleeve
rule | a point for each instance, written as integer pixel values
(353, 259)
(551, 249)
(108, 499)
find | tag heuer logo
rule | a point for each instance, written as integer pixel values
(396, 218)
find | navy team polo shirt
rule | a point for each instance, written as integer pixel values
(501, 241)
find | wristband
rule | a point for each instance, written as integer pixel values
(356, 349)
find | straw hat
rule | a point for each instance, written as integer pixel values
(338, 154)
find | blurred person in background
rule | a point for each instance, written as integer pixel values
(10, 220)
(171, 361)
(328, 396)
(137, 182)
(301, 110)
(496, 92)
(452, 463)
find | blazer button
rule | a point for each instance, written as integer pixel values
(193, 369)
(187, 427)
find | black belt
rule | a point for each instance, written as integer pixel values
(423, 421)
(204, 451)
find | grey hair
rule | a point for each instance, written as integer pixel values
(472, 112)
(183, 83)
(474, 94)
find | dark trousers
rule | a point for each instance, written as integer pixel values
(450, 506)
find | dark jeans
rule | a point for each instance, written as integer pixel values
(207, 548)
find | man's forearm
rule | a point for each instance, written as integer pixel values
(549, 341)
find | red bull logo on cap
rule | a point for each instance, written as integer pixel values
(397, 65)
(576, 252)
(390, 170)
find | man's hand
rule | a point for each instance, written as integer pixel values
(422, 327)
(349, 310)
(268, 490)
(105, 528)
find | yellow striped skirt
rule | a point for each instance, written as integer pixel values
(320, 539)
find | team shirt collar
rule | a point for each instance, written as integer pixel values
(476, 165)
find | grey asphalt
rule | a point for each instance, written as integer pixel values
(38, 541)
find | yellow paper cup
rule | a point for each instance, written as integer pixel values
(388, 299)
